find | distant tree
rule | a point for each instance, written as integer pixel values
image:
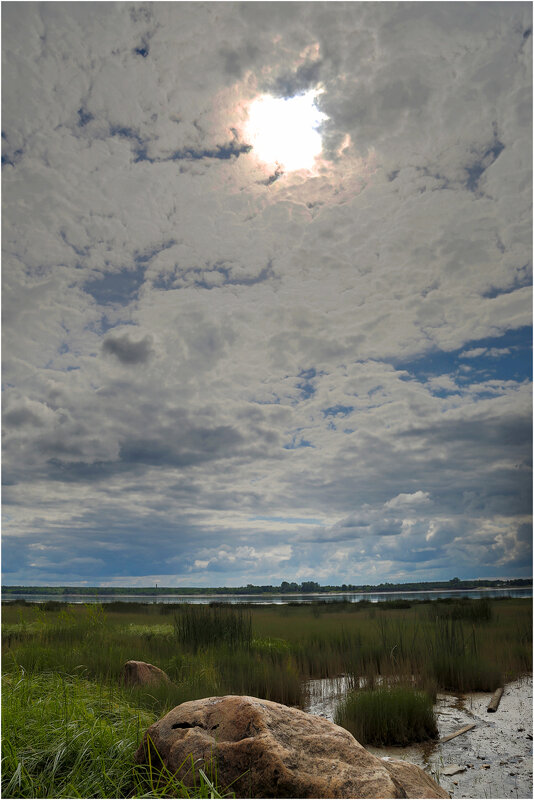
(289, 587)
(309, 586)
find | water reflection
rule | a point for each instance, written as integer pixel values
(281, 599)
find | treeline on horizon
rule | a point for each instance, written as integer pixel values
(285, 587)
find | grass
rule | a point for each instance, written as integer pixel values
(65, 736)
(458, 646)
(200, 626)
(388, 715)
(456, 661)
(465, 609)
(64, 707)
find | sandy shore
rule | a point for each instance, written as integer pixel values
(494, 759)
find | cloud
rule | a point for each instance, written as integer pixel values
(416, 498)
(128, 351)
(204, 352)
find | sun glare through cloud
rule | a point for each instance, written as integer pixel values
(284, 131)
(284, 333)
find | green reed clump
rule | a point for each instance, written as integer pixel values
(272, 676)
(199, 626)
(388, 715)
(386, 605)
(327, 654)
(465, 609)
(455, 660)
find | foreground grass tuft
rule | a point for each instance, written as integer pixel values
(68, 737)
(388, 715)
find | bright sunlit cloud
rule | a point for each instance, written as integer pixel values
(283, 131)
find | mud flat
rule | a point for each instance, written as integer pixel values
(493, 760)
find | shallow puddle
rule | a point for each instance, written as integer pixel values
(492, 760)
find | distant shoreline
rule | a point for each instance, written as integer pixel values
(142, 594)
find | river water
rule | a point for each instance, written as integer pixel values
(278, 599)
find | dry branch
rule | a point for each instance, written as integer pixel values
(457, 733)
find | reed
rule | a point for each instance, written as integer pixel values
(269, 651)
(388, 715)
(198, 626)
(465, 609)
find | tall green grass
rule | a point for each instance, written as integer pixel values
(464, 608)
(70, 728)
(455, 658)
(270, 651)
(64, 736)
(388, 715)
(201, 626)
(247, 650)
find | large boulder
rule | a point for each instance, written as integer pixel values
(139, 673)
(268, 750)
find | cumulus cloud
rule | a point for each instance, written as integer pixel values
(404, 499)
(316, 375)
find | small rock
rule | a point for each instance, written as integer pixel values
(139, 673)
(485, 766)
(453, 769)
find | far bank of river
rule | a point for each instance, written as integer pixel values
(274, 599)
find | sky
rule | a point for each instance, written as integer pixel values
(220, 369)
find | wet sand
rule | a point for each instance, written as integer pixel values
(495, 757)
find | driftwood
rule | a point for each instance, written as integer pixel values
(496, 699)
(457, 733)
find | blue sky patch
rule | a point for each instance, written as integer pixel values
(337, 411)
(307, 389)
(116, 287)
(507, 358)
(477, 169)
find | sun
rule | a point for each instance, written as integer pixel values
(283, 131)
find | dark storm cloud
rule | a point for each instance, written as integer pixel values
(19, 417)
(194, 447)
(127, 350)
(306, 77)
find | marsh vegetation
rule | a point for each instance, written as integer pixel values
(70, 727)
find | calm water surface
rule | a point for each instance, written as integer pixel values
(351, 597)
